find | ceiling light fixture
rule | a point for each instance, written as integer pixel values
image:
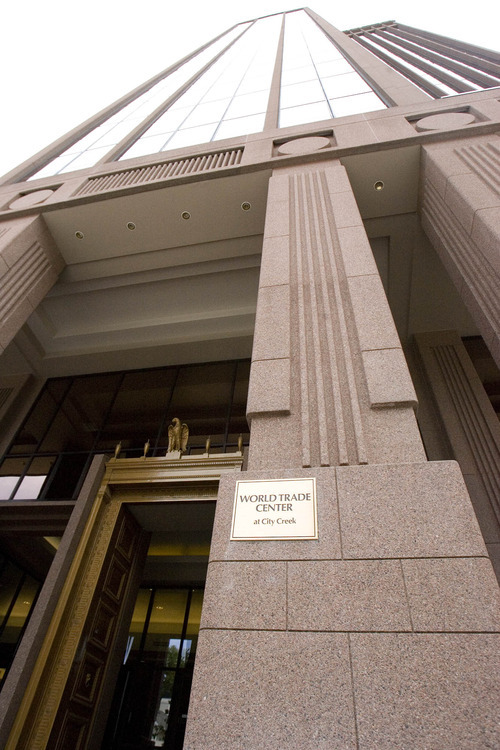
(186, 215)
(79, 235)
(378, 186)
(131, 225)
(246, 206)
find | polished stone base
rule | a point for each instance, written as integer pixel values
(382, 633)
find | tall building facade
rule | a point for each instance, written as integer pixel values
(249, 400)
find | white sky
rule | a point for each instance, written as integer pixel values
(62, 62)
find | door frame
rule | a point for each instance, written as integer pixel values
(134, 480)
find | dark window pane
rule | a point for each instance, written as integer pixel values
(82, 413)
(20, 611)
(63, 482)
(201, 399)
(9, 581)
(163, 639)
(138, 409)
(36, 425)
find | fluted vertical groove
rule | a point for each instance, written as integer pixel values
(332, 431)
(304, 389)
(476, 430)
(484, 160)
(474, 268)
(21, 278)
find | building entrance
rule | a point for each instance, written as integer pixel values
(151, 698)
(114, 669)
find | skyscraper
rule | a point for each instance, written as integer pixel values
(221, 297)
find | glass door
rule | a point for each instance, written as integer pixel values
(152, 695)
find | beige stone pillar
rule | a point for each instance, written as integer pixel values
(460, 211)
(29, 265)
(471, 426)
(384, 631)
(329, 383)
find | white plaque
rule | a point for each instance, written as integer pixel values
(275, 509)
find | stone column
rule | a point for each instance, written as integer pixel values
(383, 631)
(329, 383)
(29, 265)
(471, 426)
(460, 211)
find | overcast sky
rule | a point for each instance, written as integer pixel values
(62, 62)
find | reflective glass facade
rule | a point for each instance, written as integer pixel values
(317, 82)
(224, 91)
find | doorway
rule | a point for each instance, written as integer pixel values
(151, 698)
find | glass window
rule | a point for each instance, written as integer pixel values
(225, 92)
(346, 84)
(118, 125)
(315, 73)
(207, 113)
(351, 105)
(74, 418)
(190, 136)
(137, 410)
(306, 113)
(82, 413)
(298, 75)
(21, 608)
(38, 422)
(163, 638)
(333, 68)
(168, 122)
(151, 145)
(138, 622)
(247, 104)
(32, 483)
(240, 126)
(301, 93)
(10, 580)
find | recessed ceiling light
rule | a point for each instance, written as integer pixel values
(79, 235)
(378, 186)
(131, 225)
(186, 215)
(246, 206)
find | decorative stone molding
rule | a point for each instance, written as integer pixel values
(444, 121)
(31, 199)
(161, 171)
(471, 424)
(29, 265)
(459, 212)
(304, 145)
(484, 160)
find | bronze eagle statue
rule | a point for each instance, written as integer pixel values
(177, 436)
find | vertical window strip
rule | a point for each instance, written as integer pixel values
(417, 59)
(446, 57)
(344, 91)
(413, 74)
(123, 146)
(250, 59)
(92, 147)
